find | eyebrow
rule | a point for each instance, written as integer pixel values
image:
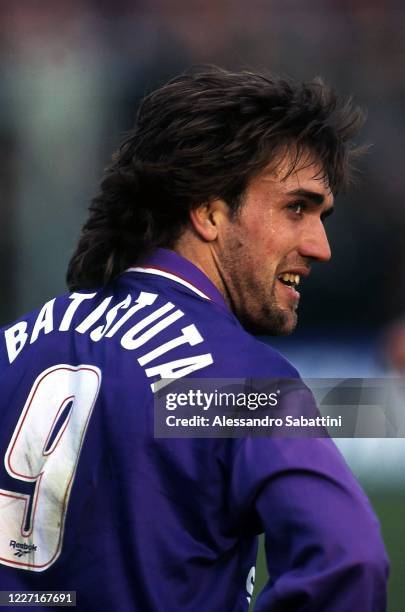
(314, 196)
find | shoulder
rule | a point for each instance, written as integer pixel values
(56, 315)
(246, 355)
(152, 323)
(234, 351)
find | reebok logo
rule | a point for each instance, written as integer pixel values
(21, 548)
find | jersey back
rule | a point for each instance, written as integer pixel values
(90, 500)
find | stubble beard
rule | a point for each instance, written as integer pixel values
(267, 317)
(253, 303)
(272, 320)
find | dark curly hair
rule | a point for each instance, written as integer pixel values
(205, 135)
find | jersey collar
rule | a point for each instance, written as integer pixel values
(167, 263)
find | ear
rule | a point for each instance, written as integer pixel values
(208, 219)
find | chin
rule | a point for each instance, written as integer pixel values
(283, 331)
(277, 322)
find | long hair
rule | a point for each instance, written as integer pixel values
(205, 135)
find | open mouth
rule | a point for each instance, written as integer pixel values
(290, 279)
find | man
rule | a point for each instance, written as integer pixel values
(210, 214)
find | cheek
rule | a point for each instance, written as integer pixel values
(264, 238)
(263, 228)
(269, 247)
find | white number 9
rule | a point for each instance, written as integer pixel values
(44, 449)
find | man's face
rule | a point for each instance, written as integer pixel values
(263, 251)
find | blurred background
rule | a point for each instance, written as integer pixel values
(71, 75)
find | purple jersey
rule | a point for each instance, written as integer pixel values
(91, 501)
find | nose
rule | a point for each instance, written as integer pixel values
(315, 243)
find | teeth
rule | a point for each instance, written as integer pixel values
(291, 278)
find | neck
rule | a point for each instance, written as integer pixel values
(203, 255)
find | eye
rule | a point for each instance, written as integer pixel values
(297, 208)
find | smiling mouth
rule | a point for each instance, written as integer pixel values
(290, 280)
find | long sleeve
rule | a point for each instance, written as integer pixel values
(323, 544)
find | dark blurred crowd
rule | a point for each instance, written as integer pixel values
(71, 74)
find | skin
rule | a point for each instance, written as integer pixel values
(278, 229)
